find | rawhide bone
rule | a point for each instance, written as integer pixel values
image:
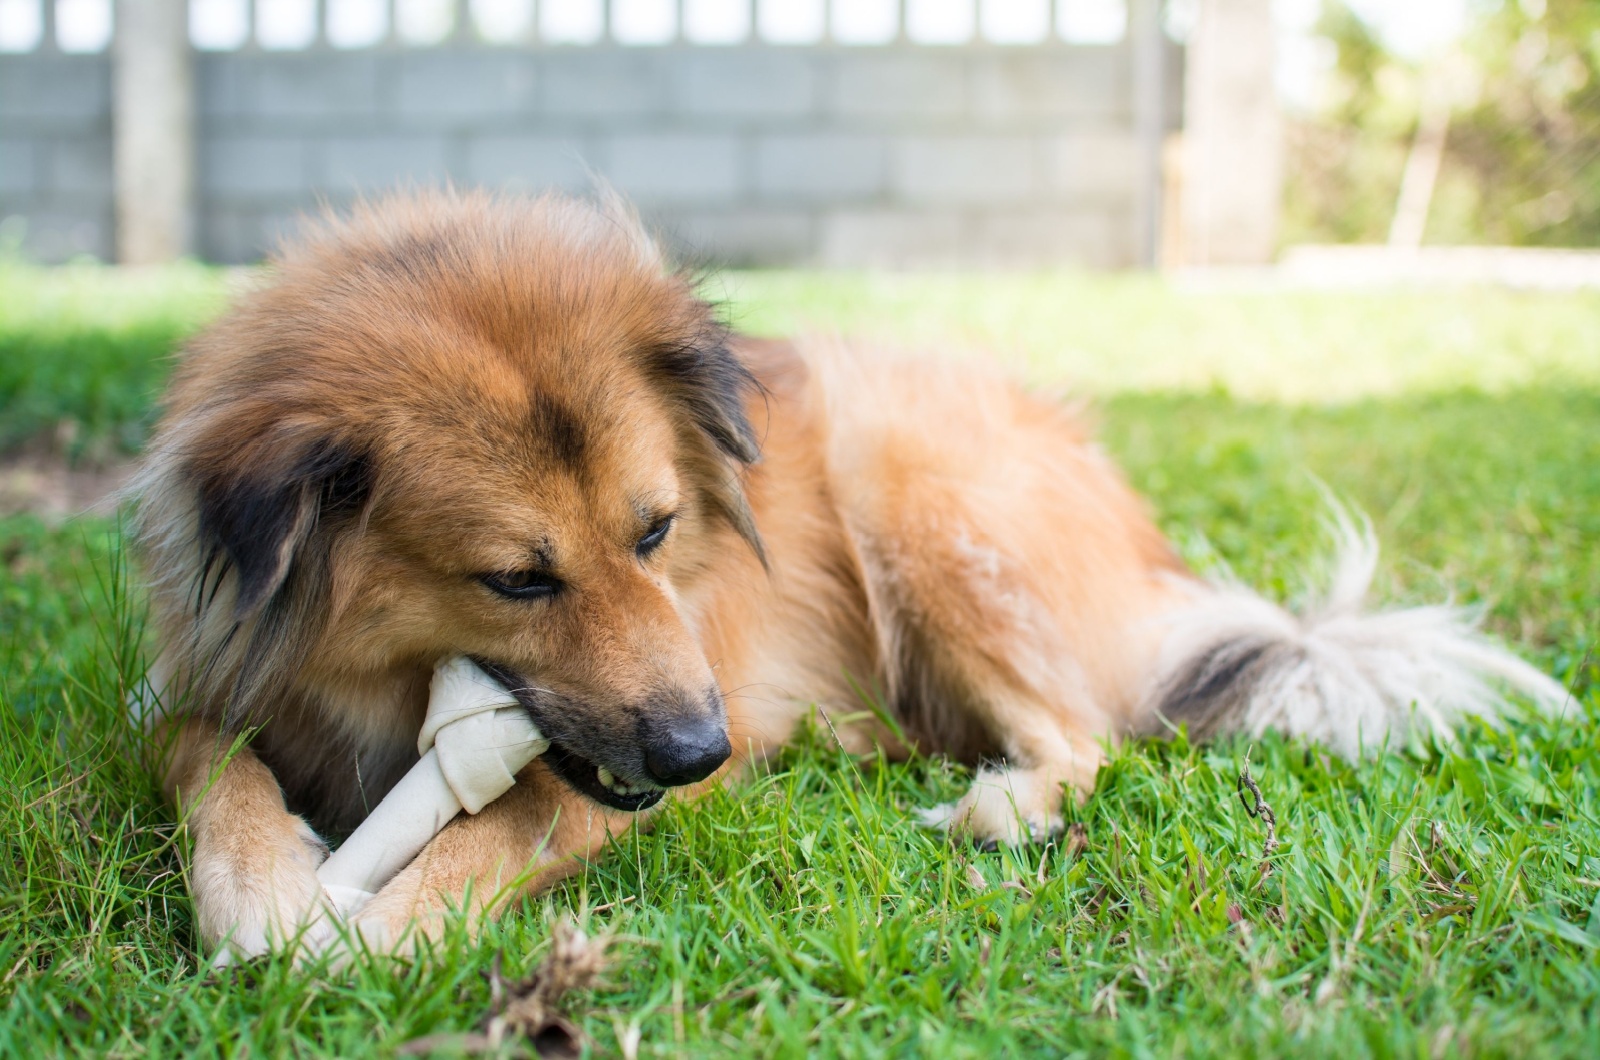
(474, 741)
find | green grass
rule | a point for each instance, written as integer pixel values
(1445, 903)
(84, 351)
(1116, 333)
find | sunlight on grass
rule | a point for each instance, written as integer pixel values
(84, 350)
(1102, 334)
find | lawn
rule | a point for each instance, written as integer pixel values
(1428, 904)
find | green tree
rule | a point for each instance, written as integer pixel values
(1522, 158)
(1525, 157)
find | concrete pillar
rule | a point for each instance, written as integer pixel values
(1149, 119)
(153, 127)
(1233, 137)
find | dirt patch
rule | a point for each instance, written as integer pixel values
(47, 487)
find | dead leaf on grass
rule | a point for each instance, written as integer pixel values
(1077, 840)
(529, 1009)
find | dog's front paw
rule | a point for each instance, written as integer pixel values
(1005, 807)
(255, 893)
(396, 921)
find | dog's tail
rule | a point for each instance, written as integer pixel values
(1351, 679)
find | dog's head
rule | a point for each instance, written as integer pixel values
(465, 425)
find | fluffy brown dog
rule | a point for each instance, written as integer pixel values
(501, 427)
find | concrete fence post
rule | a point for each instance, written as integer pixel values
(153, 129)
(47, 26)
(1233, 137)
(1149, 120)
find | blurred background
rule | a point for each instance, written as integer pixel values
(1298, 201)
(1107, 133)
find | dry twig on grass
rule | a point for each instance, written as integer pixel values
(530, 1009)
(1256, 805)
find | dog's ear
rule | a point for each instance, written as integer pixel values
(259, 510)
(712, 385)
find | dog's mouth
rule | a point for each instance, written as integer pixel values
(583, 775)
(596, 782)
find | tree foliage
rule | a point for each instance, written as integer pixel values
(1522, 159)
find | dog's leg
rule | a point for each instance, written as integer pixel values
(1012, 576)
(982, 664)
(528, 839)
(985, 671)
(1021, 799)
(253, 873)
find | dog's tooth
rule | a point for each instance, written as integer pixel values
(606, 779)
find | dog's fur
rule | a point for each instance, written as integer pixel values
(443, 389)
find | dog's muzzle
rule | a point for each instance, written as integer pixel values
(686, 751)
(676, 739)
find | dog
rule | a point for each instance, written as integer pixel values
(453, 423)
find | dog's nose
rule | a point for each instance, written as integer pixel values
(687, 751)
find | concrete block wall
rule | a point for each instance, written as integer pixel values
(753, 154)
(55, 154)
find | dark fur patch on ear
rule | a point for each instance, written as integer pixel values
(713, 384)
(729, 499)
(257, 518)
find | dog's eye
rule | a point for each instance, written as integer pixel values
(522, 584)
(655, 535)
